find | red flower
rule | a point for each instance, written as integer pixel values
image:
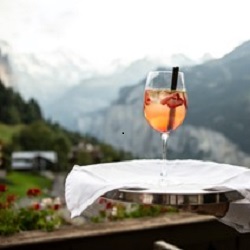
(36, 206)
(11, 198)
(34, 192)
(109, 205)
(173, 101)
(56, 206)
(3, 188)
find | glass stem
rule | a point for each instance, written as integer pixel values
(164, 138)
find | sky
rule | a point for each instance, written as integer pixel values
(105, 31)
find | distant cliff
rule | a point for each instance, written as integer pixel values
(5, 67)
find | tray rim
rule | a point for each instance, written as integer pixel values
(179, 199)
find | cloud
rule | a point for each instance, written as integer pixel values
(103, 31)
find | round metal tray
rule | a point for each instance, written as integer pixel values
(174, 198)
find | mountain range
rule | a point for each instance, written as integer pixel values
(110, 106)
(67, 86)
(216, 127)
(97, 92)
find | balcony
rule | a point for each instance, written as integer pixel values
(187, 231)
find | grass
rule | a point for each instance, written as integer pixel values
(7, 131)
(22, 181)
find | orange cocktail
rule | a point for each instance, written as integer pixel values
(164, 109)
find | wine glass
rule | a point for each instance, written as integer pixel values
(165, 104)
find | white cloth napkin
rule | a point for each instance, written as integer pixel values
(87, 183)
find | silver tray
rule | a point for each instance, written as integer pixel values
(174, 198)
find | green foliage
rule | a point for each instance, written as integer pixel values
(84, 158)
(111, 155)
(37, 136)
(113, 211)
(15, 110)
(9, 221)
(8, 131)
(26, 219)
(37, 214)
(33, 112)
(40, 136)
(31, 219)
(62, 146)
(6, 134)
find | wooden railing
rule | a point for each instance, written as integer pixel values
(187, 231)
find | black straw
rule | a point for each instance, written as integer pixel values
(174, 78)
(173, 87)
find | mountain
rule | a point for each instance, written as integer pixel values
(66, 85)
(95, 93)
(219, 94)
(99, 91)
(47, 76)
(216, 127)
(5, 66)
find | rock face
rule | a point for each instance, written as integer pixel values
(5, 67)
(219, 96)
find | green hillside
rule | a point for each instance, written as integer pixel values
(8, 131)
(23, 128)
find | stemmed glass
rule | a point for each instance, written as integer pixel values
(165, 104)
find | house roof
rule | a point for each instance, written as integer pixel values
(49, 155)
